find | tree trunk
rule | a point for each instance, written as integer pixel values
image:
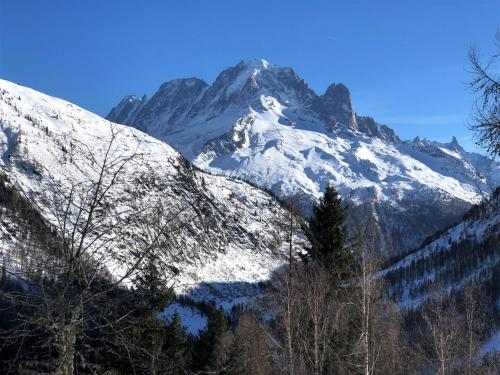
(154, 354)
(65, 342)
(291, 358)
(366, 316)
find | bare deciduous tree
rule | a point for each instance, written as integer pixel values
(94, 250)
(366, 296)
(443, 332)
(251, 351)
(486, 122)
(319, 319)
(287, 283)
(473, 316)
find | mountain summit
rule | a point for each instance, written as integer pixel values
(263, 123)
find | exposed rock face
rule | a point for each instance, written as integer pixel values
(126, 111)
(169, 105)
(335, 107)
(369, 126)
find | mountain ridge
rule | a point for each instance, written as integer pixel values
(263, 123)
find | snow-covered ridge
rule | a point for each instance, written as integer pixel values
(263, 123)
(230, 239)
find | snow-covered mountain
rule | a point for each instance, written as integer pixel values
(229, 238)
(261, 122)
(467, 251)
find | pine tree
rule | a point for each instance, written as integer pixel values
(176, 346)
(153, 297)
(328, 234)
(250, 354)
(150, 284)
(213, 346)
(219, 345)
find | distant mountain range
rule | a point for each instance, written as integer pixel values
(262, 122)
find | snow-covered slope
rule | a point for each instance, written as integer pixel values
(451, 258)
(262, 122)
(229, 238)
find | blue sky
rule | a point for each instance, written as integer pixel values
(405, 62)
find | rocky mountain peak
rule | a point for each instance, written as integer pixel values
(169, 104)
(126, 110)
(256, 63)
(454, 145)
(338, 95)
(250, 79)
(335, 107)
(182, 84)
